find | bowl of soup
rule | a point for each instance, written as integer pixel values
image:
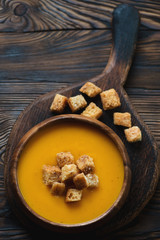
(80, 136)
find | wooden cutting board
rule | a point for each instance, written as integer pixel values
(143, 155)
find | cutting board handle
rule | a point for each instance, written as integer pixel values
(125, 25)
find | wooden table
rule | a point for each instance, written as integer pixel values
(49, 44)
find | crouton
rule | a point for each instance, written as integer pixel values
(80, 181)
(68, 172)
(90, 89)
(92, 180)
(110, 99)
(133, 134)
(50, 174)
(122, 119)
(58, 188)
(76, 103)
(64, 158)
(73, 195)
(85, 164)
(92, 111)
(59, 103)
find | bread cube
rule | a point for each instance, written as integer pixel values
(122, 119)
(50, 174)
(64, 158)
(90, 89)
(68, 172)
(58, 188)
(59, 103)
(80, 181)
(93, 180)
(85, 164)
(133, 134)
(92, 111)
(76, 103)
(73, 195)
(110, 99)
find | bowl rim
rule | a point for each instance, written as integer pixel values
(38, 219)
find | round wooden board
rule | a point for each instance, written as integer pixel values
(143, 156)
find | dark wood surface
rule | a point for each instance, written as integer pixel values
(33, 63)
(143, 156)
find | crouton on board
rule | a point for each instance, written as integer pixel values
(92, 111)
(133, 134)
(110, 99)
(90, 89)
(122, 119)
(59, 103)
(76, 103)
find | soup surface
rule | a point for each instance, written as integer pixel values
(79, 139)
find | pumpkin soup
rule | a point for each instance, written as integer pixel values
(78, 139)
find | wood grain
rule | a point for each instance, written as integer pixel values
(144, 180)
(69, 56)
(19, 87)
(147, 102)
(39, 116)
(42, 15)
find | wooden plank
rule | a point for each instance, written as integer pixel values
(28, 87)
(72, 56)
(40, 15)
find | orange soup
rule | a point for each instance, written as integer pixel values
(79, 139)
